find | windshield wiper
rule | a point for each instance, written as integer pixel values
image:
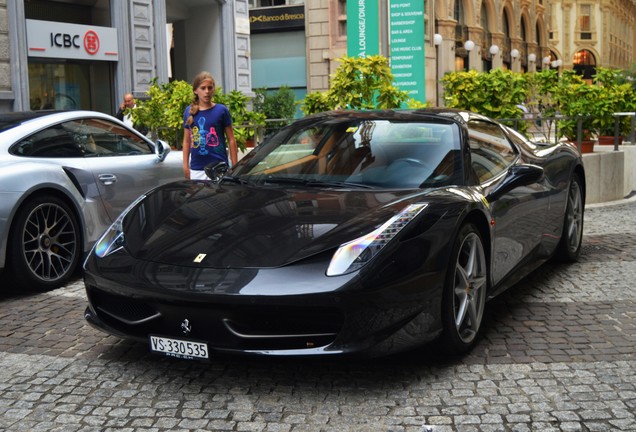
(316, 183)
(234, 179)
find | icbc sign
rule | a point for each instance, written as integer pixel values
(62, 40)
(65, 40)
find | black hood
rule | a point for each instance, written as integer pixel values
(235, 226)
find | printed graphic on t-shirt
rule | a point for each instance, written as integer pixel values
(202, 138)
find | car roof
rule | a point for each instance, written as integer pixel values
(13, 119)
(457, 115)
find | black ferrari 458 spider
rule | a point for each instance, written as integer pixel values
(345, 232)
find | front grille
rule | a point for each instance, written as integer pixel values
(121, 309)
(227, 326)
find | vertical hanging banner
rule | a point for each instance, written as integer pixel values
(406, 35)
(363, 28)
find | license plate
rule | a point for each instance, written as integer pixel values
(179, 348)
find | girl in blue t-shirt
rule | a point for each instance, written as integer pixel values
(207, 130)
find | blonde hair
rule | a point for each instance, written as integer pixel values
(194, 106)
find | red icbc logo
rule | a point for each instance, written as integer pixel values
(91, 42)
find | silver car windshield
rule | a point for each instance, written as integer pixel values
(372, 153)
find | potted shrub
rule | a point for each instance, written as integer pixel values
(162, 112)
(359, 83)
(278, 106)
(496, 94)
(575, 102)
(246, 122)
(612, 97)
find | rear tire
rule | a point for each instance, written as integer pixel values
(465, 289)
(44, 247)
(569, 247)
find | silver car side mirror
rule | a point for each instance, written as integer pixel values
(162, 149)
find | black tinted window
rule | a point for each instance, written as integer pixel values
(102, 138)
(53, 142)
(82, 138)
(490, 151)
(388, 153)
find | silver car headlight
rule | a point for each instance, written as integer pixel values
(113, 239)
(353, 255)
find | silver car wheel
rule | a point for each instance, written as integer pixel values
(574, 217)
(49, 242)
(469, 289)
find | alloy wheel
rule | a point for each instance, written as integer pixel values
(574, 216)
(49, 242)
(469, 289)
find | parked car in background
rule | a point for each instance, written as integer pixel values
(64, 178)
(385, 230)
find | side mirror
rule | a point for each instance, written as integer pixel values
(215, 171)
(161, 150)
(518, 175)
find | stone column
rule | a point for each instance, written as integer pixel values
(515, 62)
(445, 54)
(474, 55)
(533, 48)
(497, 59)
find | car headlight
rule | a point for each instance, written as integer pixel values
(356, 253)
(113, 239)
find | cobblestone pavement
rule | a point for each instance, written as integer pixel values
(558, 354)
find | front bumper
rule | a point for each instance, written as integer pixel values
(295, 310)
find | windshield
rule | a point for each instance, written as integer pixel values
(351, 151)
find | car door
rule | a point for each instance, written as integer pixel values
(123, 164)
(518, 214)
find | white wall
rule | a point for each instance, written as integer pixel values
(203, 51)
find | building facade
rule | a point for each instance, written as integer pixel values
(87, 53)
(585, 34)
(459, 35)
(520, 35)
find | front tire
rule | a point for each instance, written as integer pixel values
(569, 247)
(465, 289)
(45, 244)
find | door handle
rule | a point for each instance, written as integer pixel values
(107, 179)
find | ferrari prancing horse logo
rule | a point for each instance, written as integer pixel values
(199, 258)
(186, 326)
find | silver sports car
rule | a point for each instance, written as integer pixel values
(64, 178)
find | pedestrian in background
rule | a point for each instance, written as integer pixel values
(208, 131)
(123, 113)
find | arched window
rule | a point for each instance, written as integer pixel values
(486, 57)
(507, 43)
(461, 36)
(524, 46)
(584, 64)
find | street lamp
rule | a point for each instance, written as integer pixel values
(468, 46)
(494, 50)
(532, 57)
(514, 53)
(437, 40)
(546, 62)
